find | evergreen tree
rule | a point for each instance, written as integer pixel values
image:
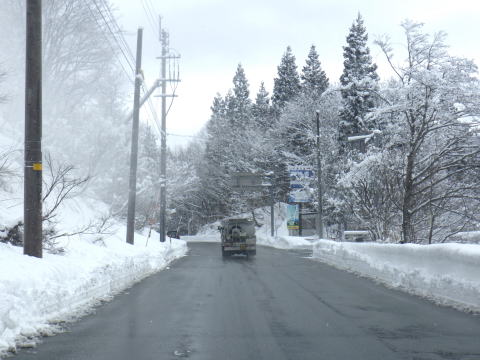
(287, 85)
(239, 103)
(358, 81)
(261, 110)
(218, 107)
(314, 79)
(216, 127)
(212, 172)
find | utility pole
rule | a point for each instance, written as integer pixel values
(32, 208)
(319, 183)
(164, 39)
(144, 98)
(163, 139)
(132, 190)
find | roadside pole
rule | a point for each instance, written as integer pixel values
(319, 183)
(272, 209)
(32, 208)
(164, 39)
(132, 190)
(300, 219)
(163, 140)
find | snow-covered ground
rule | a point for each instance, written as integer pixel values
(448, 274)
(36, 294)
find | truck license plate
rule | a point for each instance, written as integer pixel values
(243, 247)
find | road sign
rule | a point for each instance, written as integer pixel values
(300, 179)
(293, 217)
(247, 181)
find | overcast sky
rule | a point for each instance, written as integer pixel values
(213, 36)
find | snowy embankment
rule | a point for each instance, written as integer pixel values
(281, 239)
(448, 274)
(37, 293)
(77, 272)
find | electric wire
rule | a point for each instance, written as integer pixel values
(107, 23)
(150, 18)
(118, 36)
(119, 31)
(150, 110)
(127, 73)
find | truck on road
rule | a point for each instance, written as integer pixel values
(238, 237)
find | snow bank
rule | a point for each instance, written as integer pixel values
(281, 240)
(446, 273)
(38, 292)
(208, 233)
(213, 238)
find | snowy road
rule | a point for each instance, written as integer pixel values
(276, 306)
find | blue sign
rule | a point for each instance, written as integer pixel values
(293, 217)
(300, 179)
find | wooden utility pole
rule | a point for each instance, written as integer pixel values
(132, 190)
(32, 210)
(319, 183)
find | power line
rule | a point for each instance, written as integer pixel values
(107, 23)
(149, 16)
(127, 73)
(117, 34)
(188, 136)
(118, 31)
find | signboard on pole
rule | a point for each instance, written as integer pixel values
(300, 179)
(293, 217)
(247, 181)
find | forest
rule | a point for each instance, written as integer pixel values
(400, 157)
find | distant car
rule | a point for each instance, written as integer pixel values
(238, 237)
(173, 234)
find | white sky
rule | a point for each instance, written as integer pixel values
(213, 36)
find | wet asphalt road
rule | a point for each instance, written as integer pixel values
(276, 306)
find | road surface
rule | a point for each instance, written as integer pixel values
(279, 305)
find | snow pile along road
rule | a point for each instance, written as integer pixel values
(36, 293)
(446, 273)
(281, 240)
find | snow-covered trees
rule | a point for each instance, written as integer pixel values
(262, 114)
(82, 85)
(239, 105)
(359, 83)
(428, 112)
(417, 184)
(314, 79)
(287, 83)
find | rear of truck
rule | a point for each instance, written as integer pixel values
(238, 237)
